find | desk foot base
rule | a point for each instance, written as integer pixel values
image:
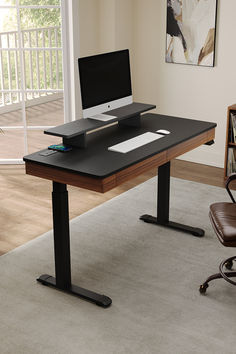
(100, 300)
(173, 225)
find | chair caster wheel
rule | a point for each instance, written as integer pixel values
(203, 288)
(229, 265)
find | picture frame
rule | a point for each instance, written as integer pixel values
(191, 32)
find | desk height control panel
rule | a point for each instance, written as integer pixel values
(74, 133)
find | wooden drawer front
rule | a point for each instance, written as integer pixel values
(141, 167)
(190, 144)
(73, 179)
(103, 185)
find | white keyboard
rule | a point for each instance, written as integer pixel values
(134, 143)
(102, 117)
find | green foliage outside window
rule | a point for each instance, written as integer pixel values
(34, 61)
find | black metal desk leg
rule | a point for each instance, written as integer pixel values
(163, 193)
(61, 235)
(163, 198)
(62, 280)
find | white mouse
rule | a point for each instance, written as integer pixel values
(163, 131)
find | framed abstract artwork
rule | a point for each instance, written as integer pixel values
(190, 32)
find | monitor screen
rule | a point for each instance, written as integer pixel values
(104, 78)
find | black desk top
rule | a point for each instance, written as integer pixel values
(96, 161)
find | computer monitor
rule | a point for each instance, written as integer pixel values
(105, 82)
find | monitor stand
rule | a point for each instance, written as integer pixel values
(74, 133)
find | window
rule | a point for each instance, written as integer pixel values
(31, 75)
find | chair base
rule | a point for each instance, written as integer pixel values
(228, 263)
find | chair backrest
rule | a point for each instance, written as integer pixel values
(223, 220)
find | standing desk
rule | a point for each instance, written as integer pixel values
(95, 168)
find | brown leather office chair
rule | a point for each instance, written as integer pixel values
(223, 219)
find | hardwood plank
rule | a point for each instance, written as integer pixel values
(198, 173)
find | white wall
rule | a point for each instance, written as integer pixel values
(116, 25)
(88, 18)
(105, 25)
(87, 37)
(124, 24)
(181, 90)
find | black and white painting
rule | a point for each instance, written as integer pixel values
(190, 33)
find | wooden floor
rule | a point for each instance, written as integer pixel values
(25, 211)
(26, 200)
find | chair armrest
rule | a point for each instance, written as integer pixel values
(231, 178)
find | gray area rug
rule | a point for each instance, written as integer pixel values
(151, 273)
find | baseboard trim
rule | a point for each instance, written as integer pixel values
(203, 156)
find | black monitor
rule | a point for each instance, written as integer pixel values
(105, 82)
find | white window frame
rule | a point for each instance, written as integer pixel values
(70, 44)
(69, 17)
